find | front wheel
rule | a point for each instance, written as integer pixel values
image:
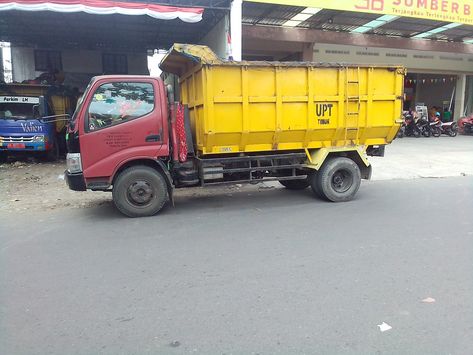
(337, 180)
(53, 153)
(298, 184)
(140, 191)
(436, 132)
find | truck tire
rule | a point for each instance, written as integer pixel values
(139, 191)
(297, 184)
(315, 185)
(337, 180)
(53, 153)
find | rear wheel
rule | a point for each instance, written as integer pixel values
(436, 132)
(295, 184)
(140, 191)
(337, 180)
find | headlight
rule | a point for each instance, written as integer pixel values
(74, 164)
(38, 139)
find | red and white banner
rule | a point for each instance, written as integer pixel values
(106, 7)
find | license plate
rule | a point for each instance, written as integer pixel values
(16, 145)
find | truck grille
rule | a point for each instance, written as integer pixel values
(6, 139)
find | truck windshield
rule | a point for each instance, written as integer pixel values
(18, 111)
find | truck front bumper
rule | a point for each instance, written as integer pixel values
(23, 146)
(75, 181)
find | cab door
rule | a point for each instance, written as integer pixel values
(123, 120)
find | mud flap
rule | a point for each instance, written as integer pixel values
(375, 150)
(168, 178)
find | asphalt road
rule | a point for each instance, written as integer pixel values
(274, 272)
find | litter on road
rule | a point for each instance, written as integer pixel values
(428, 300)
(384, 327)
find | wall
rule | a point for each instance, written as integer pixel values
(455, 64)
(416, 61)
(216, 39)
(254, 49)
(78, 65)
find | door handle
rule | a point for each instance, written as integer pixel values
(153, 138)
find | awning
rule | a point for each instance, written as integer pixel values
(106, 7)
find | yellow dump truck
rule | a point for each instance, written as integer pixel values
(302, 124)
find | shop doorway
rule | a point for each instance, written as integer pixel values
(434, 91)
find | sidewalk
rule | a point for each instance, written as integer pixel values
(410, 158)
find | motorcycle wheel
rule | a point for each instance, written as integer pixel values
(426, 133)
(452, 133)
(436, 132)
(416, 133)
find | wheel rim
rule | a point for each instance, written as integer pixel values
(342, 180)
(140, 193)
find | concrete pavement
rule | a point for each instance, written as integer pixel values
(410, 158)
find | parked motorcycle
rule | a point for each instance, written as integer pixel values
(435, 127)
(410, 127)
(449, 128)
(465, 125)
(427, 128)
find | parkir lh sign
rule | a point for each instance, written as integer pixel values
(460, 11)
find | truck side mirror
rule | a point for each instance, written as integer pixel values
(43, 107)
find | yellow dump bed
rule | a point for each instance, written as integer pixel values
(61, 103)
(265, 106)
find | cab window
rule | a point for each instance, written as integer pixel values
(118, 102)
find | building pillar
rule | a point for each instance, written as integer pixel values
(235, 29)
(308, 52)
(469, 95)
(459, 96)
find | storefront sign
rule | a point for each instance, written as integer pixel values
(460, 11)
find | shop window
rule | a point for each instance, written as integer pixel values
(115, 103)
(114, 63)
(45, 60)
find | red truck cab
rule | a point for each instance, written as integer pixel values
(120, 119)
